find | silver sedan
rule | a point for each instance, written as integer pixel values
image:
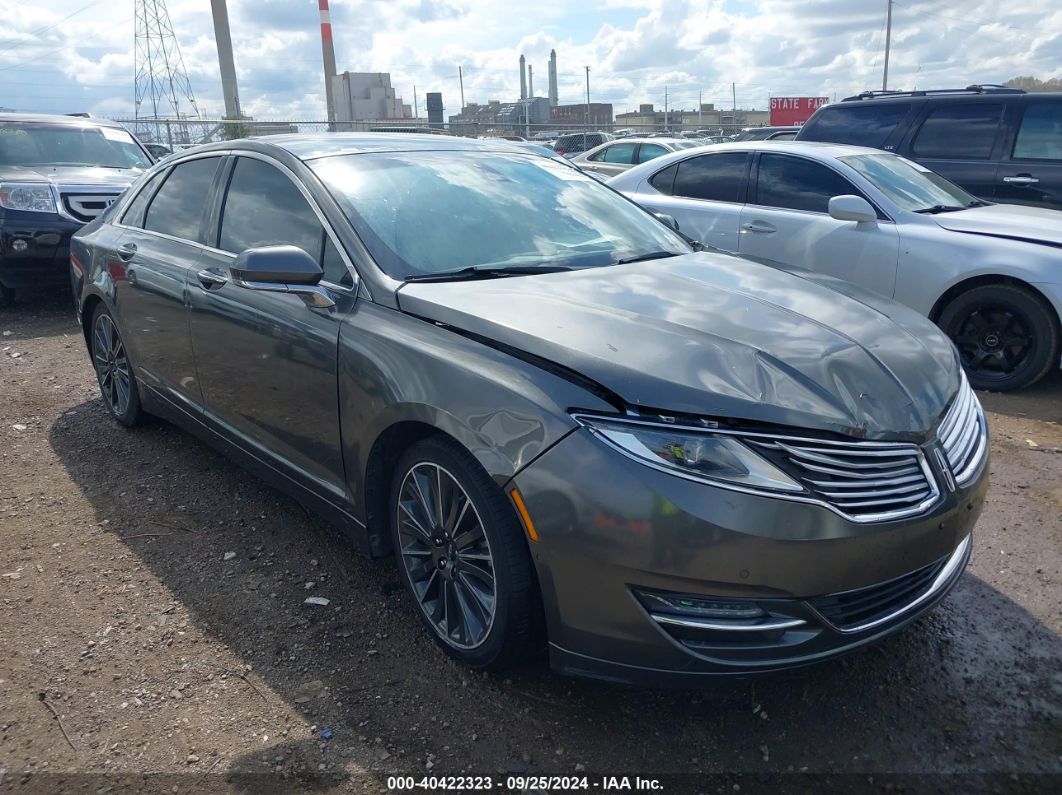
(615, 157)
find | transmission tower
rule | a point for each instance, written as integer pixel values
(162, 87)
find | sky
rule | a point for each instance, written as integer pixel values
(78, 55)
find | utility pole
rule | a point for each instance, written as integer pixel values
(888, 43)
(416, 105)
(665, 109)
(461, 81)
(328, 55)
(700, 110)
(225, 60)
(587, 125)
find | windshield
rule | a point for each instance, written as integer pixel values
(32, 144)
(424, 213)
(908, 184)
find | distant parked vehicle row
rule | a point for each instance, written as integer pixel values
(615, 157)
(573, 143)
(989, 275)
(1001, 144)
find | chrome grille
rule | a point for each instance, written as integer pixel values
(85, 207)
(867, 481)
(964, 434)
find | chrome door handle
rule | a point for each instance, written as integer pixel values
(210, 279)
(1021, 179)
(762, 227)
(126, 252)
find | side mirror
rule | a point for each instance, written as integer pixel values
(852, 208)
(276, 265)
(281, 269)
(667, 220)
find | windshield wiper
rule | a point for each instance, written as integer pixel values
(940, 208)
(644, 257)
(485, 272)
(979, 203)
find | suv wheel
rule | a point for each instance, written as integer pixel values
(462, 556)
(113, 370)
(1007, 337)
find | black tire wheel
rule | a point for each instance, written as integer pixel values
(463, 557)
(113, 370)
(1007, 336)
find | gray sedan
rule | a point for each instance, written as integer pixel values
(567, 424)
(615, 157)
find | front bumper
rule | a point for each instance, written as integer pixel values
(610, 528)
(45, 260)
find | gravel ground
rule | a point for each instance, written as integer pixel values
(151, 610)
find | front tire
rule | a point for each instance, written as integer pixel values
(113, 370)
(462, 556)
(1007, 337)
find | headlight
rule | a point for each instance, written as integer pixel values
(32, 197)
(691, 453)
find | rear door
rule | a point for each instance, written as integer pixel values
(612, 160)
(957, 140)
(1031, 168)
(267, 361)
(161, 245)
(704, 194)
(787, 220)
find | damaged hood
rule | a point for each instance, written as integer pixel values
(1032, 224)
(716, 335)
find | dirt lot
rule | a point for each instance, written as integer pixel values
(151, 607)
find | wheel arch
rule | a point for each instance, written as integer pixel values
(985, 280)
(88, 309)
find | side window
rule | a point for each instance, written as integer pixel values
(867, 124)
(263, 207)
(619, 153)
(650, 151)
(719, 178)
(797, 184)
(965, 130)
(664, 181)
(177, 208)
(1040, 134)
(134, 213)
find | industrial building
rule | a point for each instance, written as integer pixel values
(647, 119)
(367, 96)
(569, 115)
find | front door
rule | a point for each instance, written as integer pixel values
(160, 245)
(787, 220)
(267, 361)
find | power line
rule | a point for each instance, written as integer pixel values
(963, 20)
(34, 33)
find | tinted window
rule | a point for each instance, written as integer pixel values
(664, 181)
(74, 144)
(618, 153)
(1040, 134)
(867, 124)
(264, 208)
(649, 151)
(960, 130)
(797, 184)
(134, 213)
(719, 177)
(178, 206)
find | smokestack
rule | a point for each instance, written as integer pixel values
(530, 82)
(553, 97)
(225, 60)
(328, 53)
(523, 80)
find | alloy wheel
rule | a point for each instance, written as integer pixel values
(112, 365)
(446, 555)
(993, 341)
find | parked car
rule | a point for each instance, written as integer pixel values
(615, 157)
(56, 174)
(554, 411)
(766, 134)
(998, 143)
(989, 275)
(158, 151)
(573, 143)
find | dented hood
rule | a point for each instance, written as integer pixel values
(1014, 221)
(716, 335)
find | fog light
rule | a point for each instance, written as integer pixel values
(695, 606)
(19, 245)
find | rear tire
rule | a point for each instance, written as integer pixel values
(114, 372)
(463, 557)
(1008, 337)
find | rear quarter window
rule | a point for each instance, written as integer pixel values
(868, 124)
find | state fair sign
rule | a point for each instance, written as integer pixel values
(789, 111)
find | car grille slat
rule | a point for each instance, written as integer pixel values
(963, 435)
(86, 206)
(865, 481)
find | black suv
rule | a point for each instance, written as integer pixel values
(57, 173)
(1001, 144)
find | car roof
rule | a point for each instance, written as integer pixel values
(970, 94)
(55, 118)
(815, 148)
